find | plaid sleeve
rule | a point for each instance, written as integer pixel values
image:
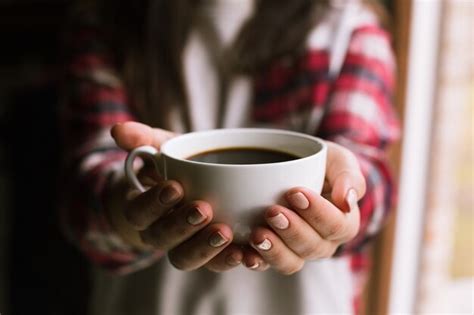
(94, 101)
(360, 116)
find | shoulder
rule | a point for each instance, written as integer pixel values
(357, 27)
(352, 16)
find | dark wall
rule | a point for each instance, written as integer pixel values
(42, 273)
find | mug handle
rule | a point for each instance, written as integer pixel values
(147, 151)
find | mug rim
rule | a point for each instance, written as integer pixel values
(317, 140)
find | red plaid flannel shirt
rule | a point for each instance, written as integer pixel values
(355, 110)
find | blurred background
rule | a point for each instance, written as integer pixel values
(424, 259)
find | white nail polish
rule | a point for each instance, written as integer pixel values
(351, 199)
(279, 221)
(195, 217)
(231, 261)
(299, 200)
(254, 266)
(217, 240)
(265, 245)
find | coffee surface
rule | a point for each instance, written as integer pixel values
(243, 156)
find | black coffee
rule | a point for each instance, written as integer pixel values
(243, 156)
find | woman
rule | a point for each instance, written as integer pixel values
(181, 66)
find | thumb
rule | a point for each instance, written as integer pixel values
(343, 174)
(131, 134)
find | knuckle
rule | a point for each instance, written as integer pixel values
(165, 234)
(154, 207)
(308, 252)
(292, 236)
(180, 231)
(154, 239)
(171, 225)
(153, 211)
(203, 254)
(316, 218)
(142, 210)
(317, 252)
(336, 229)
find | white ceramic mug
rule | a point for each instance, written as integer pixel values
(238, 193)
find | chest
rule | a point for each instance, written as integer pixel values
(283, 95)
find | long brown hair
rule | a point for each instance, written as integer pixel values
(150, 36)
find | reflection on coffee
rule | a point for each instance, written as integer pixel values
(243, 156)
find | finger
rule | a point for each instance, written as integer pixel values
(201, 248)
(343, 173)
(152, 204)
(330, 222)
(132, 134)
(148, 175)
(297, 234)
(229, 258)
(253, 260)
(275, 252)
(178, 226)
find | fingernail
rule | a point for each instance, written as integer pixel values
(351, 199)
(254, 266)
(279, 221)
(232, 261)
(169, 194)
(298, 200)
(217, 239)
(195, 217)
(264, 245)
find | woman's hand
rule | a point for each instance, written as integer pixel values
(311, 226)
(162, 221)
